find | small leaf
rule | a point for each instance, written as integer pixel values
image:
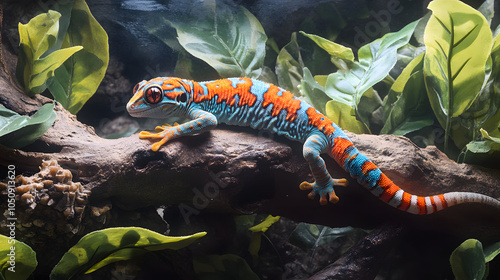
(491, 251)
(23, 263)
(103, 247)
(264, 225)
(17, 131)
(233, 43)
(79, 77)
(336, 51)
(289, 66)
(467, 261)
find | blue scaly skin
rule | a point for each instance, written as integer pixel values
(249, 102)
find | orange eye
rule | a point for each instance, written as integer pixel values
(153, 94)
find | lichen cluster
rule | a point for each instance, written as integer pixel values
(48, 202)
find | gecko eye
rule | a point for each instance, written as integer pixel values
(182, 98)
(153, 94)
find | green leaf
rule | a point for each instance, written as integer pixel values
(79, 77)
(233, 43)
(344, 115)
(312, 92)
(467, 261)
(264, 225)
(375, 62)
(35, 66)
(491, 251)
(380, 56)
(222, 267)
(289, 66)
(102, 247)
(308, 236)
(406, 107)
(17, 131)
(458, 42)
(23, 262)
(337, 52)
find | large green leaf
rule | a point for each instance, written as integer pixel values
(467, 261)
(458, 42)
(103, 247)
(406, 107)
(35, 65)
(17, 260)
(289, 66)
(232, 42)
(17, 131)
(78, 78)
(375, 62)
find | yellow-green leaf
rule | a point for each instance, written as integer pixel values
(102, 247)
(78, 78)
(335, 50)
(344, 116)
(458, 42)
(264, 225)
(17, 260)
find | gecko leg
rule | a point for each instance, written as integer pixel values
(313, 147)
(201, 121)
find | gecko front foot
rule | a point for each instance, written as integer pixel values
(166, 133)
(324, 191)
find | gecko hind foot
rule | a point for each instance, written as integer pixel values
(324, 191)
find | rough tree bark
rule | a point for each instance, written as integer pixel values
(238, 170)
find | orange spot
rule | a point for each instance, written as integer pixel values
(284, 101)
(421, 205)
(405, 201)
(389, 187)
(339, 150)
(225, 92)
(367, 167)
(320, 121)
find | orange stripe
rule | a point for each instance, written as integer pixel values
(443, 201)
(421, 205)
(405, 201)
(339, 150)
(320, 121)
(389, 187)
(367, 167)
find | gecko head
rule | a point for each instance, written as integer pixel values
(160, 98)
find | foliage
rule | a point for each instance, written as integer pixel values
(458, 44)
(453, 73)
(17, 131)
(66, 53)
(102, 247)
(24, 262)
(470, 260)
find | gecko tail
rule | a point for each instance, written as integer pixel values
(372, 178)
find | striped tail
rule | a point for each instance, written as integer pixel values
(370, 176)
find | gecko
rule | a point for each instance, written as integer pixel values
(264, 106)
